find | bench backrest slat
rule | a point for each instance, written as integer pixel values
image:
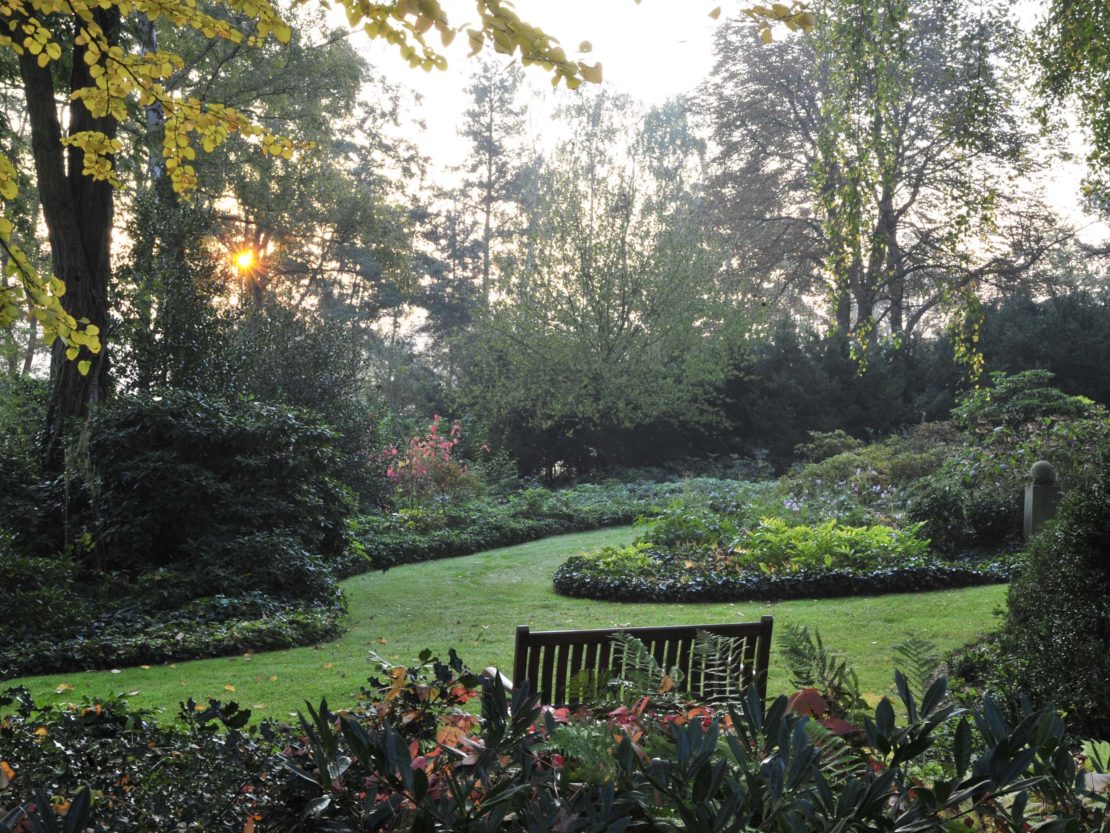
(557, 663)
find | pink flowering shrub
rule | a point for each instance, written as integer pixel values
(424, 470)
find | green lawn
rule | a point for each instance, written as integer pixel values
(474, 603)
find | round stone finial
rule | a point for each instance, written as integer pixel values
(1042, 473)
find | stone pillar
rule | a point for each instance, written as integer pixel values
(1042, 497)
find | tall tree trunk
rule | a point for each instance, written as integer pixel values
(11, 350)
(894, 276)
(487, 236)
(897, 302)
(843, 311)
(487, 202)
(32, 345)
(78, 215)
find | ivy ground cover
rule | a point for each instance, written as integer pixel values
(475, 603)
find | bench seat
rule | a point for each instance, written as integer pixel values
(552, 661)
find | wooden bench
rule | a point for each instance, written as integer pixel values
(551, 661)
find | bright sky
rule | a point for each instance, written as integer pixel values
(652, 50)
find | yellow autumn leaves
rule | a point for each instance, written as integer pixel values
(796, 17)
(118, 77)
(20, 282)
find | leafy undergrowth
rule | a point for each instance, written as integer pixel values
(211, 526)
(408, 755)
(476, 603)
(420, 534)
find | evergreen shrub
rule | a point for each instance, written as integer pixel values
(171, 480)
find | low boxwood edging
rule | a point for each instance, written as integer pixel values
(380, 549)
(155, 643)
(576, 578)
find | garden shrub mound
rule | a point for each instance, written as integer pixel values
(194, 527)
(862, 485)
(403, 756)
(773, 560)
(973, 501)
(182, 481)
(962, 480)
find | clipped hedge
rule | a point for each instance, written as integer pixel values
(384, 542)
(579, 578)
(167, 479)
(142, 640)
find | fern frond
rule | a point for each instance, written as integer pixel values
(798, 651)
(919, 660)
(718, 662)
(840, 761)
(636, 672)
(632, 659)
(812, 665)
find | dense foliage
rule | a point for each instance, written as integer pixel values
(974, 500)
(410, 757)
(194, 527)
(21, 402)
(185, 483)
(962, 480)
(885, 517)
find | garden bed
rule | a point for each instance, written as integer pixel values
(770, 560)
(417, 535)
(398, 759)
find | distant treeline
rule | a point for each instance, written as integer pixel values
(797, 381)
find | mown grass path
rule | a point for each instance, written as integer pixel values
(474, 604)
